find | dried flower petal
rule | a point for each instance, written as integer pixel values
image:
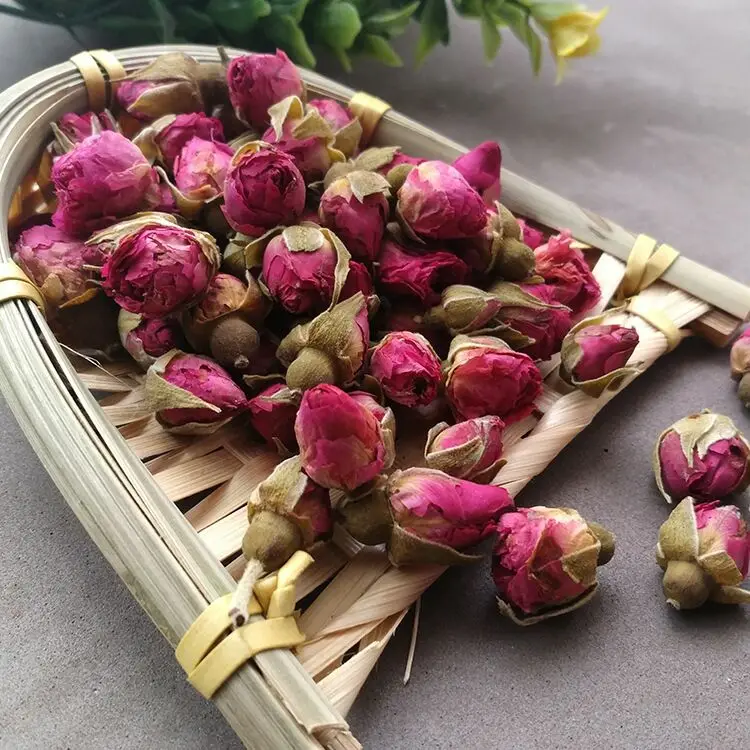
(272, 414)
(480, 167)
(201, 168)
(147, 339)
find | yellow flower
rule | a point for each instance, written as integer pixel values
(573, 35)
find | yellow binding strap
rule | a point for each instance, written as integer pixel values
(659, 320)
(112, 68)
(646, 264)
(15, 284)
(96, 84)
(369, 109)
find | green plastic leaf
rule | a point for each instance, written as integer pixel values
(491, 38)
(379, 48)
(519, 22)
(469, 8)
(238, 15)
(344, 60)
(433, 18)
(336, 24)
(546, 11)
(294, 9)
(284, 32)
(392, 22)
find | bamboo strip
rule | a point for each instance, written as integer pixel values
(224, 537)
(199, 474)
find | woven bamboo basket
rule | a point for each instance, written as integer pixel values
(168, 512)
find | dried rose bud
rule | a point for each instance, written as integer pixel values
(272, 414)
(396, 158)
(359, 280)
(385, 417)
(420, 276)
(594, 355)
(287, 512)
(257, 82)
(437, 203)
(155, 267)
(565, 269)
(498, 248)
(169, 85)
(410, 316)
(201, 169)
(341, 442)
(407, 368)
(100, 181)
(147, 339)
(480, 167)
(305, 268)
(191, 394)
(468, 450)
(346, 127)
(486, 377)
(54, 262)
(704, 551)
(263, 189)
(306, 137)
(356, 208)
(739, 357)
(544, 563)
(530, 236)
(330, 348)
(434, 515)
(77, 128)
(702, 456)
(225, 320)
(173, 132)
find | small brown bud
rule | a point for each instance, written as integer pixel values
(272, 539)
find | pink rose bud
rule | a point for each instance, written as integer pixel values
(286, 512)
(263, 189)
(702, 456)
(345, 126)
(177, 130)
(437, 203)
(147, 339)
(385, 417)
(341, 442)
(77, 128)
(468, 450)
(257, 82)
(544, 562)
(531, 237)
(358, 280)
(704, 551)
(356, 208)
(201, 168)
(191, 394)
(407, 368)
(565, 269)
(304, 268)
(435, 514)
(54, 262)
(485, 376)
(272, 414)
(101, 180)
(480, 167)
(594, 356)
(739, 357)
(156, 267)
(421, 276)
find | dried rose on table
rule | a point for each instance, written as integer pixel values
(272, 414)
(468, 450)
(407, 368)
(191, 394)
(147, 339)
(480, 167)
(545, 560)
(703, 456)
(704, 551)
(341, 441)
(739, 356)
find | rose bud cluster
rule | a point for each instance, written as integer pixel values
(305, 269)
(545, 560)
(330, 348)
(191, 394)
(340, 441)
(356, 208)
(480, 167)
(55, 262)
(594, 355)
(485, 376)
(703, 456)
(347, 130)
(437, 203)
(286, 512)
(407, 368)
(103, 179)
(155, 267)
(564, 268)
(147, 339)
(468, 450)
(257, 82)
(704, 551)
(226, 319)
(263, 189)
(272, 415)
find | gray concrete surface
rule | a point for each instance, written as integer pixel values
(654, 133)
